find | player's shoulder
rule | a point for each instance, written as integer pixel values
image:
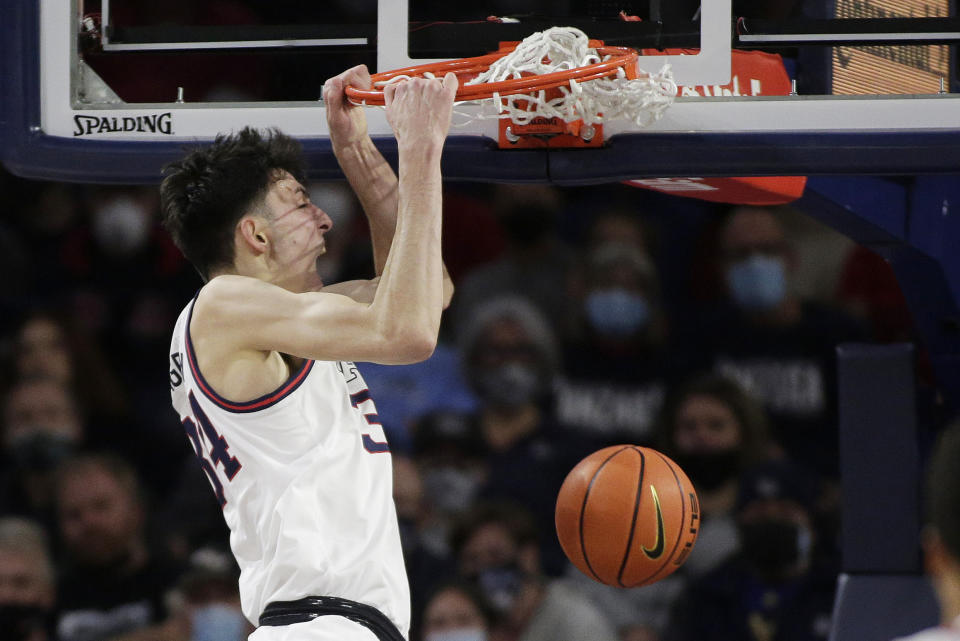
(222, 301)
(230, 295)
(228, 287)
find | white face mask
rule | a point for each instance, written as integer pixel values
(121, 225)
(460, 634)
(219, 622)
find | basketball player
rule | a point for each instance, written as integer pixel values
(941, 541)
(262, 373)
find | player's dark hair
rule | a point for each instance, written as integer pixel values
(943, 489)
(203, 195)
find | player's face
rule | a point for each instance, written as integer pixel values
(297, 229)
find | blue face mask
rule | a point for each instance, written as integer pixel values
(219, 623)
(460, 634)
(617, 312)
(758, 283)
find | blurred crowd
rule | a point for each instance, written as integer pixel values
(583, 318)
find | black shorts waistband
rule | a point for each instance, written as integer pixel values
(309, 608)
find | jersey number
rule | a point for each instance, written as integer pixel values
(369, 444)
(218, 454)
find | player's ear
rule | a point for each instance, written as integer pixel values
(253, 234)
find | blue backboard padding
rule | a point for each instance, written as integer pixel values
(879, 458)
(882, 607)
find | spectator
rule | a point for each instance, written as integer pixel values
(425, 568)
(452, 457)
(941, 538)
(781, 349)
(535, 264)
(41, 427)
(48, 345)
(113, 584)
(205, 604)
(457, 612)
(496, 549)
(44, 214)
(26, 581)
(511, 358)
(714, 431)
(619, 225)
(127, 280)
(617, 368)
(868, 288)
(773, 588)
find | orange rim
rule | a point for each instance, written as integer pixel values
(620, 57)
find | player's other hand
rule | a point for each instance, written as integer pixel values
(419, 109)
(347, 122)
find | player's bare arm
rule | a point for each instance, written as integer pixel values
(243, 323)
(369, 174)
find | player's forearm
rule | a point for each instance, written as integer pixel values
(410, 296)
(376, 186)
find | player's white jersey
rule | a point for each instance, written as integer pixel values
(304, 477)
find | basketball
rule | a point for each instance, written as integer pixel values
(627, 516)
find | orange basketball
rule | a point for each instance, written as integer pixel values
(627, 516)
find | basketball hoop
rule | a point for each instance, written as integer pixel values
(556, 87)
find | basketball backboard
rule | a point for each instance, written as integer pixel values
(122, 85)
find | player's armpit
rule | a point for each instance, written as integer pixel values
(236, 313)
(362, 291)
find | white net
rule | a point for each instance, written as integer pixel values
(642, 100)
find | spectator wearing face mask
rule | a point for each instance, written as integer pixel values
(48, 345)
(209, 598)
(425, 567)
(204, 603)
(534, 265)
(714, 431)
(511, 358)
(775, 587)
(41, 428)
(113, 582)
(26, 581)
(496, 550)
(779, 348)
(126, 278)
(457, 612)
(617, 368)
(451, 454)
